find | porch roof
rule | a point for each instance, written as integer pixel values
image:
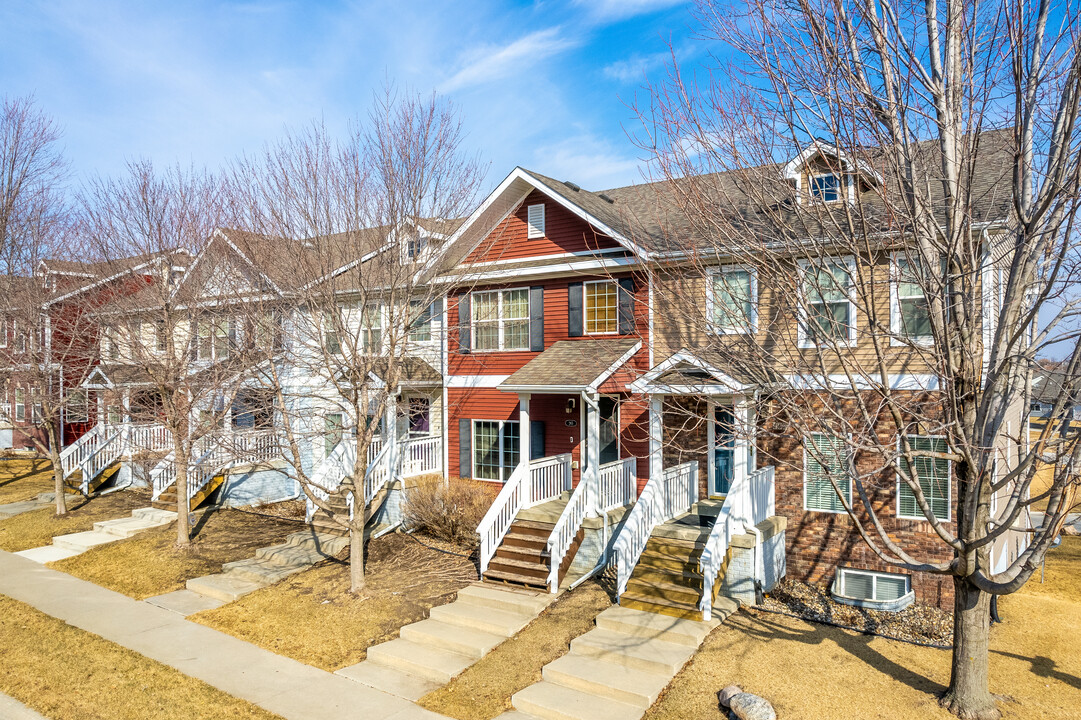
(687, 373)
(573, 366)
(118, 375)
(412, 371)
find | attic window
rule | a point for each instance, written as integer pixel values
(826, 188)
(414, 246)
(536, 221)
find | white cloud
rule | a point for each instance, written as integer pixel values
(623, 9)
(489, 63)
(634, 68)
(589, 162)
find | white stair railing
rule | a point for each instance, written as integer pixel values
(105, 454)
(663, 498)
(616, 486)
(749, 501)
(328, 477)
(163, 475)
(530, 484)
(150, 438)
(420, 456)
(229, 450)
(75, 454)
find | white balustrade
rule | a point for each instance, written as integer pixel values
(750, 500)
(75, 454)
(664, 497)
(150, 438)
(163, 475)
(618, 484)
(105, 454)
(328, 477)
(549, 477)
(420, 456)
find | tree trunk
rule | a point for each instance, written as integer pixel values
(58, 485)
(183, 528)
(356, 559)
(968, 695)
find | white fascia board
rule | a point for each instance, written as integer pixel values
(904, 381)
(568, 268)
(684, 356)
(546, 389)
(614, 366)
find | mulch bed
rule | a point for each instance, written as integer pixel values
(916, 623)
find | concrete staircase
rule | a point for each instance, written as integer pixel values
(617, 670)
(105, 531)
(271, 564)
(430, 653)
(667, 579)
(522, 558)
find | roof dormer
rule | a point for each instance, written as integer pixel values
(823, 173)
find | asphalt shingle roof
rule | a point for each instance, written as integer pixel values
(571, 363)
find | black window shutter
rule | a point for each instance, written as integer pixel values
(463, 324)
(626, 305)
(465, 449)
(536, 318)
(437, 309)
(574, 310)
(536, 439)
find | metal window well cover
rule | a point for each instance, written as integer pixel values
(572, 365)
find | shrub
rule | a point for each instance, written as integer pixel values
(447, 509)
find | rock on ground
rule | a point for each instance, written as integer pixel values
(725, 696)
(746, 706)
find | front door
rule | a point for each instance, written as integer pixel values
(609, 430)
(420, 416)
(724, 449)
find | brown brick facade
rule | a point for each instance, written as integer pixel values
(817, 543)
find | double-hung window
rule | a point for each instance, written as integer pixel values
(3, 331)
(332, 339)
(222, 338)
(110, 349)
(20, 404)
(933, 475)
(501, 319)
(161, 337)
(829, 309)
(601, 307)
(496, 449)
(731, 300)
(910, 315)
(824, 457)
(333, 432)
(420, 325)
(371, 328)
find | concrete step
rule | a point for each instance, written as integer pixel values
(154, 514)
(646, 625)
(185, 602)
(83, 541)
(465, 641)
(260, 571)
(433, 664)
(524, 602)
(514, 715)
(48, 553)
(605, 679)
(328, 543)
(126, 527)
(486, 619)
(291, 555)
(549, 701)
(389, 680)
(223, 586)
(656, 656)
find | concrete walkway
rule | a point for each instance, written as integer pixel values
(8, 510)
(12, 709)
(104, 532)
(291, 689)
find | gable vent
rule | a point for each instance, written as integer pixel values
(535, 221)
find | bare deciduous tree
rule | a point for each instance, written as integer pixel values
(950, 132)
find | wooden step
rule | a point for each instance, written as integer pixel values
(665, 591)
(521, 554)
(660, 606)
(531, 528)
(519, 567)
(502, 576)
(514, 539)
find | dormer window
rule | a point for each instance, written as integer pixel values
(414, 246)
(826, 188)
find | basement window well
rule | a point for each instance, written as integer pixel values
(873, 590)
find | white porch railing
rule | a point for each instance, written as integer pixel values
(662, 499)
(105, 454)
(149, 438)
(420, 456)
(163, 475)
(530, 484)
(749, 501)
(328, 477)
(616, 488)
(75, 454)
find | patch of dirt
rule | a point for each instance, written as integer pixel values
(916, 623)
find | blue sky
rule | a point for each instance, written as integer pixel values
(541, 84)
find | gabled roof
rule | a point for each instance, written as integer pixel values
(688, 373)
(572, 366)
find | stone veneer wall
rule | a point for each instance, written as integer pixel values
(817, 543)
(593, 543)
(739, 582)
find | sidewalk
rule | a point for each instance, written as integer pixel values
(12, 709)
(283, 686)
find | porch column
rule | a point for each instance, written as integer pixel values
(390, 427)
(656, 437)
(711, 446)
(592, 473)
(741, 410)
(524, 437)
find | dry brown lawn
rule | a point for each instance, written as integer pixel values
(484, 690)
(23, 479)
(150, 563)
(69, 674)
(37, 527)
(313, 618)
(820, 673)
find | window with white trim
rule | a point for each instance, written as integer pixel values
(496, 449)
(873, 586)
(110, 349)
(910, 315)
(371, 328)
(420, 325)
(829, 309)
(161, 337)
(78, 410)
(825, 187)
(3, 331)
(535, 221)
(20, 337)
(824, 457)
(35, 405)
(732, 299)
(20, 404)
(332, 339)
(933, 475)
(501, 319)
(601, 308)
(333, 432)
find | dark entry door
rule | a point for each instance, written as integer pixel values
(723, 451)
(609, 430)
